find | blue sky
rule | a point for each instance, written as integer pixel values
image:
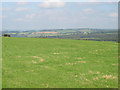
(58, 14)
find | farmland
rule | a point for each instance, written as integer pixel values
(77, 33)
(59, 63)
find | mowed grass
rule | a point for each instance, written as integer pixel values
(59, 63)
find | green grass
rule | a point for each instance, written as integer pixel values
(59, 63)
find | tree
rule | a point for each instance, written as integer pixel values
(6, 35)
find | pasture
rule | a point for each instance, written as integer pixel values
(59, 63)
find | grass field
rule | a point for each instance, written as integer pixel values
(59, 63)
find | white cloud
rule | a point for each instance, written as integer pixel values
(22, 3)
(21, 9)
(93, 0)
(2, 16)
(113, 14)
(63, 0)
(52, 4)
(102, 0)
(19, 19)
(30, 16)
(4, 9)
(88, 10)
(27, 17)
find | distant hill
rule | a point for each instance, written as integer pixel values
(78, 33)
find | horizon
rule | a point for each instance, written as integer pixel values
(62, 29)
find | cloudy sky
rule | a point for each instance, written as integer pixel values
(58, 14)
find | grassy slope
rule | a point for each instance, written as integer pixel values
(58, 63)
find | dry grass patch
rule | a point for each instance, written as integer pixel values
(75, 62)
(66, 56)
(94, 72)
(79, 58)
(34, 62)
(45, 85)
(81, 61)
(115, 64)
(29, 71)
(37, 61)
(41, 60)
(56, 53)
(18, 56)
(109, 77)
(35, 56)
(69, 63)
(96, 78)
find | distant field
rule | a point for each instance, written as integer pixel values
(59, 63)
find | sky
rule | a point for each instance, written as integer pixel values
(56, 14)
